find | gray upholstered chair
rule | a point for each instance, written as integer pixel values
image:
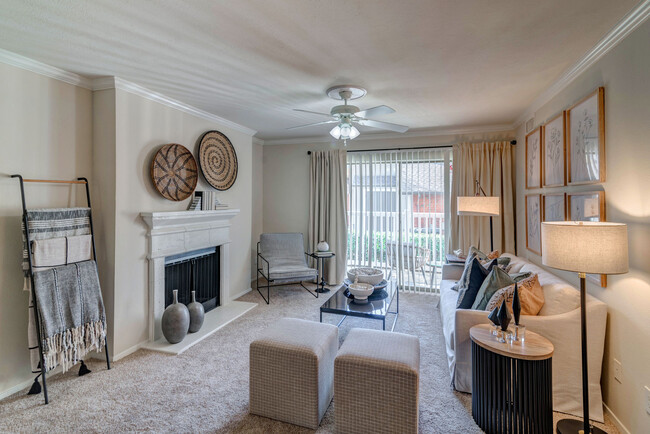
(280, 260)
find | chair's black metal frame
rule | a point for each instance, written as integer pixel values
(84, 181)
(268, 285)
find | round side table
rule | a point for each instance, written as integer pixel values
(511, 383)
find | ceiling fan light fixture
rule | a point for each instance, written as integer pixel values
(345, 131)
(354, 133)
(336, 132)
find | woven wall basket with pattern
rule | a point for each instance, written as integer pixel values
(174, 172)
(218, 160)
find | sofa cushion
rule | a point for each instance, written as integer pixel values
(476, 274)
(559, 298)
(531, 296)
(494, 281)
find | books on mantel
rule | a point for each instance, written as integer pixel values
(209, 201)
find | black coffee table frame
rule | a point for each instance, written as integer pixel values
(377, 309)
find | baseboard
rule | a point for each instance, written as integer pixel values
(616, 420)
(25, 384)
(239, 294)
(127, 352)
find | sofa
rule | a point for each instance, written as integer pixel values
(558, 321)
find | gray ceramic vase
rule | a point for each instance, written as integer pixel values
(197, 314)
(175, 321)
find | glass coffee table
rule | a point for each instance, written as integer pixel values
(375, 307)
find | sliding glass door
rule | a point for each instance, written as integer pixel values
(398, 203)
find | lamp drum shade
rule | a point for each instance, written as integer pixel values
(478, 205)
(585, 247)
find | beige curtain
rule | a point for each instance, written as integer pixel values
(327, 209)
(491, 165)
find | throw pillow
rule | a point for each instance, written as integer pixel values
(493, 254)
(476, 275)
(518, 277)
(494, 281)
(531, 296)
(473, 253)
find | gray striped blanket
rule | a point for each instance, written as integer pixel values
(71, 313)
(53, 223)
(45, 224)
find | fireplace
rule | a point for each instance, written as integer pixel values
(198, 271)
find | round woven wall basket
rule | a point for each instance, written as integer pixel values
(174, 172)
(218, 160)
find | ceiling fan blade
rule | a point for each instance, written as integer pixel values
(379, 110)
(314, 113)
(383, 125)
(311, 125)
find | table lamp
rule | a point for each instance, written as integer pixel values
(584, 247)
(478, 205)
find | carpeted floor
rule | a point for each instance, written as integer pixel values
(205, 389)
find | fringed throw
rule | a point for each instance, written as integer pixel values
(71, 313)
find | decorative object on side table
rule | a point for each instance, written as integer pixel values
(480, 205)
(218, 160)
(322, 246)
(504, 320)
(584, 247)
(520, 330)
(197, 314)
(174, 172)
(175, 321)
(494, 318)
(511, 384)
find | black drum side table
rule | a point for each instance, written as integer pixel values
(511, 383)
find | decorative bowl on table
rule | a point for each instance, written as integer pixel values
(361, 291)
(372, 276)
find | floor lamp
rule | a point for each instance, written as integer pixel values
(480, 205)
(584, 247)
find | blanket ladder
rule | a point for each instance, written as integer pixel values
(83, 369)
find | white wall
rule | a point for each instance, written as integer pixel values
(286, 174)
(257, 206)
(625, 74)
(142, 128)
(45, 132)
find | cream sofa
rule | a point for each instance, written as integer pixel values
(558, 321)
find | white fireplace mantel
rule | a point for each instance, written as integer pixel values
(175, 232)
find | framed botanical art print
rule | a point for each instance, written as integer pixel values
(554, 207)
(589, 206)
(554, 152)
(534, 159)
(534, 223)
(586, 139)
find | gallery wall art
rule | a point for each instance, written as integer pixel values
(533, 223)
(586, 139)
(534, 159)
(554, 206)
(554, 152)
(218, 160)
(174, 172)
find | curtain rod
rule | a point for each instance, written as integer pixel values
(512, 142)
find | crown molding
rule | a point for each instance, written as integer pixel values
(620, 31)
(41, 68)
(104, 83)
(424, 132)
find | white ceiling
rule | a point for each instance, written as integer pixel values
(437, 62)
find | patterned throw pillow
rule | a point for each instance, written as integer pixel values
(531, 296)
(476, 274)
(494, 281)
(493, 254)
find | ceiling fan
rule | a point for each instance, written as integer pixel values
(345, 116)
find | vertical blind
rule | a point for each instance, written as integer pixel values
(398, 204)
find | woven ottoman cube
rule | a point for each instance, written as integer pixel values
(376, 381)
(292, 371)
